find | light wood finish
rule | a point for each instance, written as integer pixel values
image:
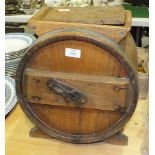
(75, 121)
(73, 76)
(94, 60)
(99, 90)
(18, 141)
(41, 26)
(143, 74)
(90, 15)
(143, 83)
(130, 49)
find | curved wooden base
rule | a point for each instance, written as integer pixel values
(117, 139)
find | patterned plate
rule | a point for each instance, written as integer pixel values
(15, 55)
(10, 94)
(18, 41)
(12, 62)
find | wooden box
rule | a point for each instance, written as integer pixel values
(112, 22)
(143, 77)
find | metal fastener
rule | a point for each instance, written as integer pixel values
(36, 98)
(122, 34)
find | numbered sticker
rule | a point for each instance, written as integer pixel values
(75, 53)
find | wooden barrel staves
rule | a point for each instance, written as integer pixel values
(77, 85)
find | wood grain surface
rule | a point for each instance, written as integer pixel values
(99, 90)
(75, 120)
(93, 59)
(40, 26)
(90, 15)
(106, 109)
(18, 141)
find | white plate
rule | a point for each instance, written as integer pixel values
(10, 74)
(10, 94)
(14, 55)
(18, 41)
(12, 62)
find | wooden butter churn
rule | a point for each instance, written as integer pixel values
(77, 82)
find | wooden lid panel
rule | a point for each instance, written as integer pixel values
(119, 22)
(88, 15)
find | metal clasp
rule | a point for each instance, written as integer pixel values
(69, 93)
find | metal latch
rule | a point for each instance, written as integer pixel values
(68, 92)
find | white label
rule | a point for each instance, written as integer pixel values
(61, 10)
(75, 53)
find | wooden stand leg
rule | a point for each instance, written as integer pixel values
(118, 139)
(35, 132)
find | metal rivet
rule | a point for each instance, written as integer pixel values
(116, 88)
(116, 107)
(122, 34)
(36, 98)
(122, 137)
(36, 81)
(60, 100)
(91, 85)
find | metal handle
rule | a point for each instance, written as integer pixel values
(69, 93)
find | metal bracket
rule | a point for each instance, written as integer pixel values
(69, 93)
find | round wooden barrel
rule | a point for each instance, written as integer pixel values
(78, 85)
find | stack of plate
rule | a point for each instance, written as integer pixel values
(10, 94)
(16, 46)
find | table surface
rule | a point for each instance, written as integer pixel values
(18, 141)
